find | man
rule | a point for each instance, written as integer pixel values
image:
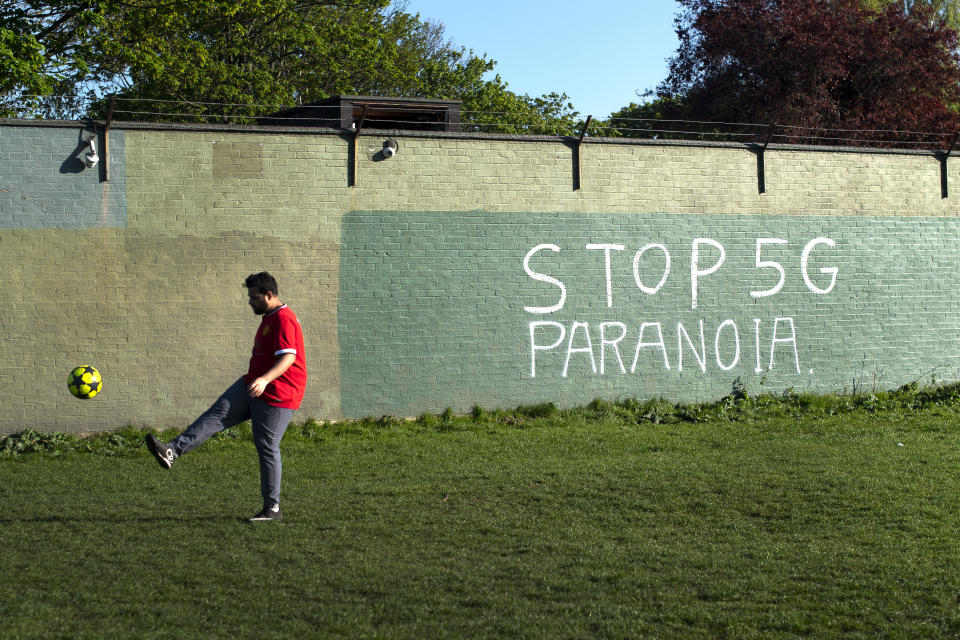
(267, 395)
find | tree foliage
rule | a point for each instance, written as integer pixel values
(167, 57)
(818, 64)
(947, 11)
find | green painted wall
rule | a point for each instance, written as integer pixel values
(411, 285)
(438, 309)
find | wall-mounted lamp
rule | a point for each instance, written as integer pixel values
(91, 158)
(390, 148)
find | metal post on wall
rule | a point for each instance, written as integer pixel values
(355, 150)
(576, 154)
(944, 192)
(106, 139)
(761, 170)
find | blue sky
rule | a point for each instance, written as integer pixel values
(599, 53)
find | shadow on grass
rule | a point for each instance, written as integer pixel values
(123, 519)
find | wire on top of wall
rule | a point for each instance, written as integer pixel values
(491, 122)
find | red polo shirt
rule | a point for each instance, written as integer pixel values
(279, 333)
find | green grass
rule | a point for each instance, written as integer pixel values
(772, 517)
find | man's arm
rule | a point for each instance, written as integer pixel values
(255, 389)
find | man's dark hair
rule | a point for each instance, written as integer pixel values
(262, 282)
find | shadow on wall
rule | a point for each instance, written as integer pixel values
(75, 161)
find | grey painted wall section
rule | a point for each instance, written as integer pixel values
(45, 184)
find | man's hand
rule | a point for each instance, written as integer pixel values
(256, 388)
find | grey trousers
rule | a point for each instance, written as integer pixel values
(269, 424)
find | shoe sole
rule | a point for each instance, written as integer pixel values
(154, 446)
(278, 518)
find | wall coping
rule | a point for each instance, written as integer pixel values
(460, 135)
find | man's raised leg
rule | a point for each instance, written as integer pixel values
(231, 408)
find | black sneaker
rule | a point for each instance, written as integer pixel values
(161, 451)
(267, 514)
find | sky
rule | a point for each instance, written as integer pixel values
(601, 53)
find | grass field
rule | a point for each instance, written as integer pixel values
(771, 517)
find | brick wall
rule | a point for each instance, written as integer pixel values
(437, 280)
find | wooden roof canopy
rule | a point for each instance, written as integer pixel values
(372, 112)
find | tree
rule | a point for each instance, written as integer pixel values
(946, 10)
(230, 58)
(36, 56)
(21, 64)
(814, 64)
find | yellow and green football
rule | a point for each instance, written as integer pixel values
(84, 382)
